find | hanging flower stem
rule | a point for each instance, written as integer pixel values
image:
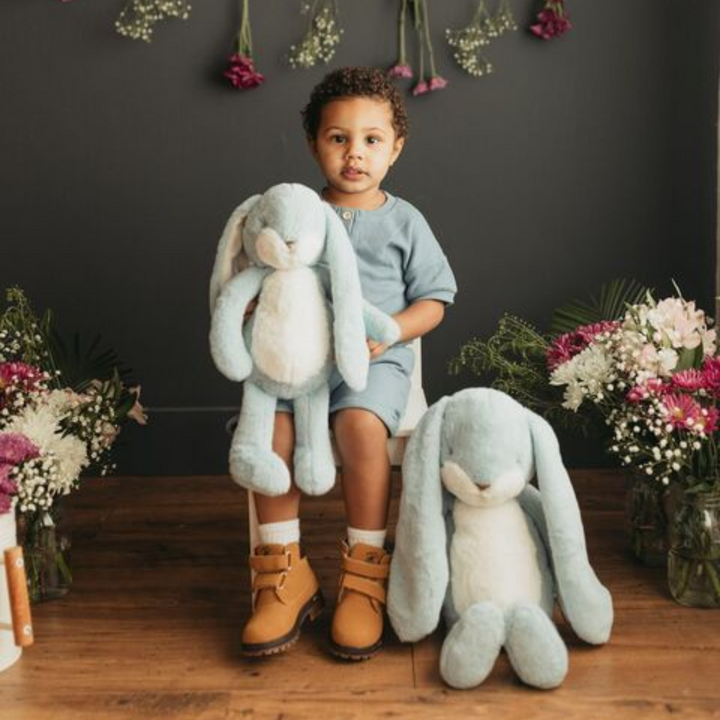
(244, 41)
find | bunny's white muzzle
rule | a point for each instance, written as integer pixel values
(500, 490)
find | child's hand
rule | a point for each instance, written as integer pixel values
(376, 349)
(249, 310)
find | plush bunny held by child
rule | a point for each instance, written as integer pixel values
(477, 541)
(296, 252)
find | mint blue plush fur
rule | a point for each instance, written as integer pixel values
(293, 214)
(488, 434)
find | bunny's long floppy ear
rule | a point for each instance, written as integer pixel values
(586, 603)
(419, 570)
(351, 351)
(230, 258)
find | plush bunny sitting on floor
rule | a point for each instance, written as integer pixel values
(297, 252)
(476, 540)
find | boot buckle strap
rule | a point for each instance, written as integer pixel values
(364, 586)
(270, 563)
(263, 581)
(364, 568)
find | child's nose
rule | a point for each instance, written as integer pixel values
(354, 150)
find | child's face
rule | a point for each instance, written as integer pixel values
(355, 147)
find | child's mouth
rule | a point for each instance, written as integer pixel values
(352, 173)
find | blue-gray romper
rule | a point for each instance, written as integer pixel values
(399, 262)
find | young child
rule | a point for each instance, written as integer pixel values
(356, 126)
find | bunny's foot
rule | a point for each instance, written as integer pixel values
(258, 470)
(535, 648)
(314, 465)
(472, 646)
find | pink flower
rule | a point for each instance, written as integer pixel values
(681, 411)
(567, 345)
(553, 21)
(711, 375)
(421, 88)
(7, 485)
(400, 71)
(688, 380)
(16, 448)
(241, 72)
(20, 373)
(437, 83)
(636, 394)
(657, 386)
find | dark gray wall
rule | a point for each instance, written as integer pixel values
(581, 159)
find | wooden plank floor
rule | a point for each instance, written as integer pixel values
(151, 627)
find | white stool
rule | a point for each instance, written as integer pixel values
(416, 407)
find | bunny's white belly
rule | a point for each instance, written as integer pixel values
(493, 557)
(291, 335)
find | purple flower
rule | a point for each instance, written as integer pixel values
(400, 71)
(16, 448)
(241, 72)
(421, 88)
(437, 83)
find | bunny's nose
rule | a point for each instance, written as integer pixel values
(482, 487)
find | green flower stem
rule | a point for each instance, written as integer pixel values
(245, 35)
(417, 18)
(426, 28)
(402, 58)
(685, 575)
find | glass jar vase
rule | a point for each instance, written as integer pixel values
(646, 520)
(694, 554)
(46, 544)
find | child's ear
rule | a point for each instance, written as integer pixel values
(312, 144)
(397, 149)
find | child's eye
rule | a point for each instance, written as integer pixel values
(372, 140)
(338, 139)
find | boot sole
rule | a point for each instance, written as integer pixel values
(311, 610)
(355, 654)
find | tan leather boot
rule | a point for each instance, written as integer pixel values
(286, 592)
(357, 626)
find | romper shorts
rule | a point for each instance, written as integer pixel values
(386, 394)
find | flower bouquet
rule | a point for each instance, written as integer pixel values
(655, 378)
(60, 413)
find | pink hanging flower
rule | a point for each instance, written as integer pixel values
(241, 72)
(437, 83)
(688, 380)
(421, 88)
(400, 71)
(681, 411)
(552, 21)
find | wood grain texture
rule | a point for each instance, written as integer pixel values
(152, 624)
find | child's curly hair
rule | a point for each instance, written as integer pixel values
(355, 82)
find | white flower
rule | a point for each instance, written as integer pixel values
(573, 396)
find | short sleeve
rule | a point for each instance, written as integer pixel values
(428, 275)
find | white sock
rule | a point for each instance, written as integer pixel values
(280, 533)
(376, 538)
